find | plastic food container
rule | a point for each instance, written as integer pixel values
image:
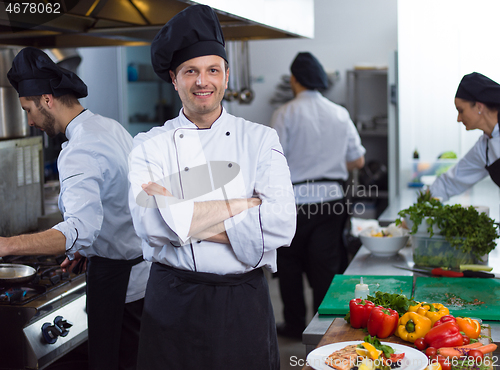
(437, 252)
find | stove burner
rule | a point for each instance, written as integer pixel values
(49, 276)
(21, 295)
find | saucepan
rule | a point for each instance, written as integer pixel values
(15, 274)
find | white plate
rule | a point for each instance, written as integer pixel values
(413, 360)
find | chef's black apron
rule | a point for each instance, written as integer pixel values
(494, 168)
(107, 282)
(195, 320)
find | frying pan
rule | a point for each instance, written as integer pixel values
(14, 274)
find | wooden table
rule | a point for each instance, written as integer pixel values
(341, 331)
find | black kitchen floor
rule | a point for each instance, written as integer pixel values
(75, 360)
(292, 352)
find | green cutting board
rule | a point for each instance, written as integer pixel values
(457, 293)
(341, 291)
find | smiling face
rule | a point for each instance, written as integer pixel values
(201, 83)
(38, 117)
(468, 114)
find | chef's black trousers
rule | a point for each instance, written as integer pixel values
(195, 320)
(113, 325)
(316, 249)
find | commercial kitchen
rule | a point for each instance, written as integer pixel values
(393, 63)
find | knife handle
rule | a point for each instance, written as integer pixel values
(447, 273)
(479, 274)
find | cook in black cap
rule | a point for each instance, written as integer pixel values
(194, 36)
(220, 316)
(321, 145)
(38, 80)
(478, 104)
(93, 170)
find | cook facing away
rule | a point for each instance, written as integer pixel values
(212, 199)
(97, 224)
(478, 104)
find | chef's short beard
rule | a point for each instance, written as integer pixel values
(48, 122)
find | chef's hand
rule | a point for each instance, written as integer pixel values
(254, 202)
(3, 246)
(80, 263)
(152, 188)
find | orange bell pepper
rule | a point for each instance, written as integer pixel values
(471, 327)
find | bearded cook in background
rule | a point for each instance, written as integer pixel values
(97, 224)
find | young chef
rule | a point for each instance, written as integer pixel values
(97, 224)
(222, 205)
(478, 103)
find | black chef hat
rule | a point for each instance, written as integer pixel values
(309, 71)
(478, 87)
(33, 73)
(192, 33)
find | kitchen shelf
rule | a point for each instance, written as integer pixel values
(367, 104)
(150, 101)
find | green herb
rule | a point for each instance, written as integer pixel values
(397, 302)
(465, 229)
(388, 351)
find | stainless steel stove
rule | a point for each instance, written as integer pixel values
(44, 319)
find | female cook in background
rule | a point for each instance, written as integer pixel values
(478, 104)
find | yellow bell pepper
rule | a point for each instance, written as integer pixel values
(433, 311)
(412, 326)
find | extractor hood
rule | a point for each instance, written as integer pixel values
(81, 23)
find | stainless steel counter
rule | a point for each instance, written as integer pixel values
(364, 263)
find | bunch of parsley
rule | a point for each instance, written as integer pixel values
(465, 229)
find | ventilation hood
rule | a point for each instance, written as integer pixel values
(82, 23)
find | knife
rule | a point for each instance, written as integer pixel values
(449, 273)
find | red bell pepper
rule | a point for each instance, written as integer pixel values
(382, 322)
(444, 319)
(444, 335)
(359, 310)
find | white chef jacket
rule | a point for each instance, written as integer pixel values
(93, 171)
(318, 138)
(234, 158)
(470, 169)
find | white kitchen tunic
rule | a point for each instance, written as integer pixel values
(235, 158)
(318, 138)
(470, 169)
(93, 198)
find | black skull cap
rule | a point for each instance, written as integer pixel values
(309, 71)
(477, 87)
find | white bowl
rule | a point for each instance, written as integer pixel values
(383, 246)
